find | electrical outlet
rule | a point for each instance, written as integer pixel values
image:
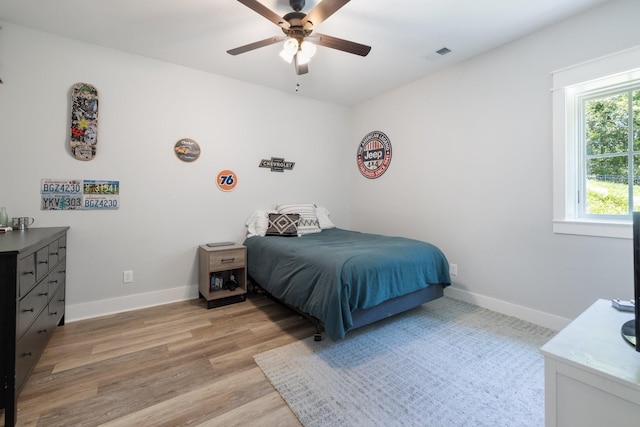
(127, 276)
(453, 269)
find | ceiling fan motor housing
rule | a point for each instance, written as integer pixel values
(296, 5)
(295, 30)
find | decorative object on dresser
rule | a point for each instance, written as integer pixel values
(222, 273)
(32, 294)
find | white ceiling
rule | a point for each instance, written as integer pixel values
(404, 35)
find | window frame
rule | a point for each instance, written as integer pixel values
(616, 69)
(628, 88)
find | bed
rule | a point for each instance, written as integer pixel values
(346, 279)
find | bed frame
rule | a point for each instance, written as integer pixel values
(363, 317)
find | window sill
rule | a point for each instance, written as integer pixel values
(618, 230)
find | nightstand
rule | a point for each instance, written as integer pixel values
(222, 274)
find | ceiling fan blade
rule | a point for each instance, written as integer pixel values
(266, 12)
(300, 68)
(255, 45)
(322, 11)
(340, 44)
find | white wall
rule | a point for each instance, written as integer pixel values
(472, 169)
(168, 207)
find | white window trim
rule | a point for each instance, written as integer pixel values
(612, 69)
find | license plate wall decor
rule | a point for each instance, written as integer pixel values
(77, 194)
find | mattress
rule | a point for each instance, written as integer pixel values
(331, 274)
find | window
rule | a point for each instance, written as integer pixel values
(596, 137)
(609, 152)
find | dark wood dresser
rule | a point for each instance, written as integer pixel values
(32, 294)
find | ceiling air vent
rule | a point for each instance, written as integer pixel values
(443, 51)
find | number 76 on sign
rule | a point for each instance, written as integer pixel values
(226, 180)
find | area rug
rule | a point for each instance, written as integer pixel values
(445, 363)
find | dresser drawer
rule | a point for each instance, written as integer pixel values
(224, 260)
(42, 263)
(62, 247)
(56, 278)
(30, 347)
(31, 306)
(54, 251)
(27, 274)
(56, 307)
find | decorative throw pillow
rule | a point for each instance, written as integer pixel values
(283, 225)
(323, 218)
(257, 223)
(308, 220)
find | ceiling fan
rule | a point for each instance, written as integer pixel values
(299, 45)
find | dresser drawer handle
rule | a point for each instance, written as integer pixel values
(43, 262)
(26, 310)
(42, 331)
(53, 281)
(28, 353)
(55, 313)
(53, 253)
(43, 294)
(228, 259)
(28, 272)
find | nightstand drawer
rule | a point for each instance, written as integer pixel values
(232, 258)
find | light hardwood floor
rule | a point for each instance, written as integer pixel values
(173, 365)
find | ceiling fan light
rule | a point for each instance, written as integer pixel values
(308, 49)
(290, 45)
(302, 58)
(287, 56)
(289, 49)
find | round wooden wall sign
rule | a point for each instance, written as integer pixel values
(374, 154)
(227, 180)
(187, 150)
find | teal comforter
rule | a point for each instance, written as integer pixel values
(330, 274)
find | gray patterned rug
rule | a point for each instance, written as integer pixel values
(446, 363)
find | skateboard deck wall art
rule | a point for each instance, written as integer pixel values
(84, 121)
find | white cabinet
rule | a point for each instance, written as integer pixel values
(592, 376)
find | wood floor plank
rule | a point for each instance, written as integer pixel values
(172, 365)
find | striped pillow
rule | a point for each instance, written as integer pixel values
(308, 223)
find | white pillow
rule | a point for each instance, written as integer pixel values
(257, 223)
(308, 220)
(323, 218)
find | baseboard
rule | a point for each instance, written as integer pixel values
(75, 312)
(87, 310)
(534, 316)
